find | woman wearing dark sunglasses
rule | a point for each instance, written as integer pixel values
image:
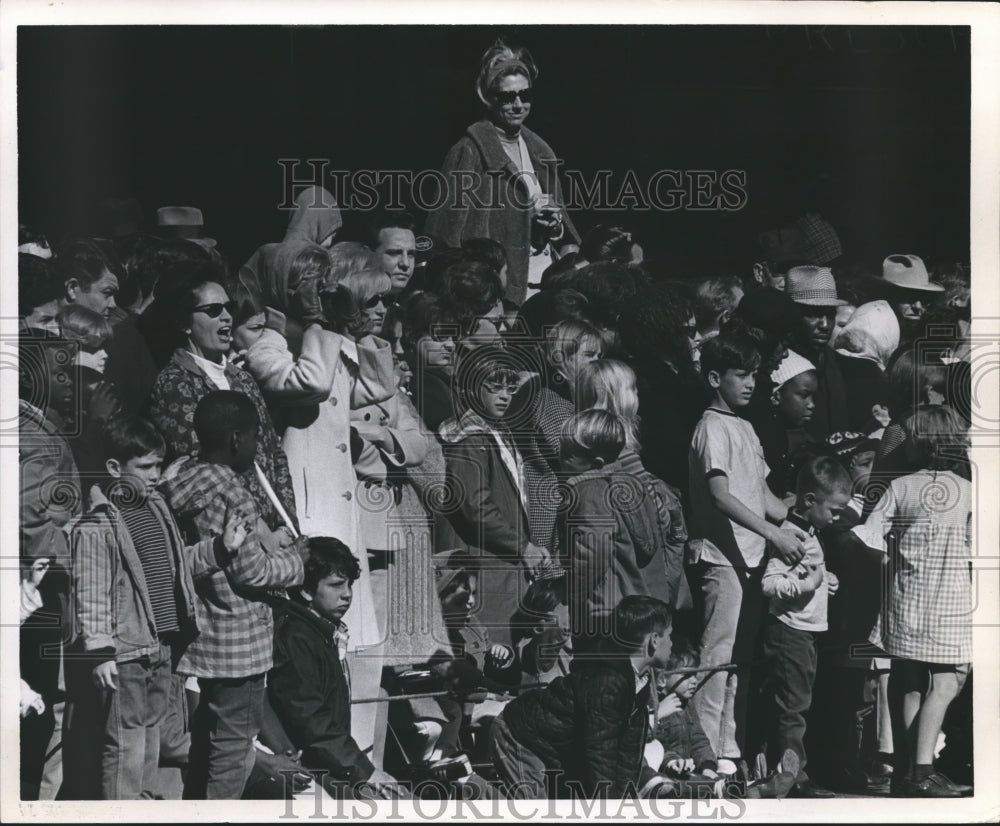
(515, 195)
(203, 318)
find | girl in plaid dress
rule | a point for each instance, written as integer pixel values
(925, 624)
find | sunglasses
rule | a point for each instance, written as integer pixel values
(499, 387)
(215, 310)
(375, 300)
(507, 98)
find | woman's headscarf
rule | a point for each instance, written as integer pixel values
(264, 280)
(871, 333)
(316, 217)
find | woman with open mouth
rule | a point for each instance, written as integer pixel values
(202, 318)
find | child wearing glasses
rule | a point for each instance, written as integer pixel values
(485, 492)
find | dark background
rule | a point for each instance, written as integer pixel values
(868, 125)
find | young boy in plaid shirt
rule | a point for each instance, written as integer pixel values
(233, 651)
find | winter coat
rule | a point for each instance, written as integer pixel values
(50, 485)
(234, 616)
(310, 693)
(487, 516)
(113, 611)
(315, 393)
(491, 208)
(624, 533)
(589, 726)
(175, 396)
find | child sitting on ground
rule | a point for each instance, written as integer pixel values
(686, 750)
(798, 596)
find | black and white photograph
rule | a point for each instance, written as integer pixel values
(500, 414)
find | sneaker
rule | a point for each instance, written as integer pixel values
(725, 767)
(934, 785)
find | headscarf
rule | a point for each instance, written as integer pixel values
(871, 333)
(264, 278)
(316, 217)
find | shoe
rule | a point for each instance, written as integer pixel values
(962, 789)
(807, 789)
(934, 785)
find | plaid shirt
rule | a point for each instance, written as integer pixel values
(237, 627)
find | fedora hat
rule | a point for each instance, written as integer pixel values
(183, 222)
(908, 272)
(812, 286)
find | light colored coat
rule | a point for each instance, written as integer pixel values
(315, 393)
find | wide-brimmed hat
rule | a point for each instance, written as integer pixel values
(908, 272)
(812, 286)
(183, 222)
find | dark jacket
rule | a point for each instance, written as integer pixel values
(670, 406)
(683, 738)
(309, 692)
(624, 534)
(854, 609)
(590, 727)
(831, 413)
(490, 208)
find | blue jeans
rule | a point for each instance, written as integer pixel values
(131, 745)
(222, 753)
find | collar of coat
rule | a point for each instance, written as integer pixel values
(484, 135)
(332, 633)
(455, 430)
(182, 358)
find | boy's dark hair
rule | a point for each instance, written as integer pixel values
(607, 243)
(220, 413)
(823, 475)
(125, 439)
(593, 434)
(37, 284)
(327, 556)
(486, 251)
(471, 286)
(638, 615)
(729, 351)
(608, 287)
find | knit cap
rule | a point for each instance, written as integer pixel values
(792, 365)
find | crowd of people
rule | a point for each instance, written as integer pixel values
(495, 504)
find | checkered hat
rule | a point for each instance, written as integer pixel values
(812, 286)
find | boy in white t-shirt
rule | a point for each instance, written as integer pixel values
(730, 508)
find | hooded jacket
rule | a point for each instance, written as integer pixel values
(316, 217)
(490, 209)
(624, 534)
